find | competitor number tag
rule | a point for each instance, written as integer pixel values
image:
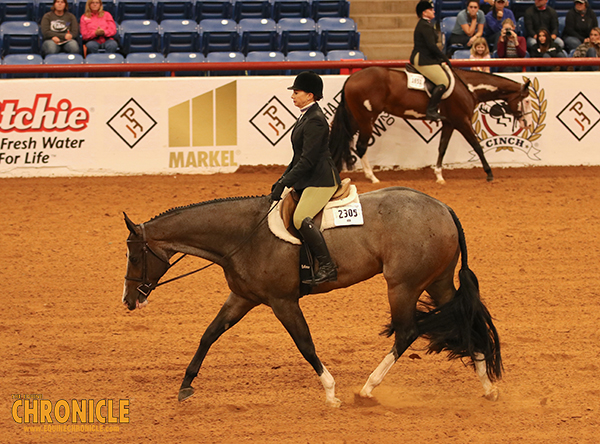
(416, 81)
(350, 214)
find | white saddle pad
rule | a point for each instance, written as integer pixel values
(339, 213)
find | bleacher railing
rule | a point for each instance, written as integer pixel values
(345, 65)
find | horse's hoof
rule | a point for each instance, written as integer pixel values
(490, 178)
(441, 181)
(335, 403)
(185, 393)
(492, 395)
(375, 180)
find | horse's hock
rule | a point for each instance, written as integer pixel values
(65, 334)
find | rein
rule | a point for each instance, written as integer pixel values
(146, 286)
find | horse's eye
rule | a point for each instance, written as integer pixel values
(133, 259)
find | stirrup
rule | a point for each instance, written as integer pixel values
(435, 116)
(326, 273)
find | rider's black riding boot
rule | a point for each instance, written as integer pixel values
(435, 99)
(316, 244)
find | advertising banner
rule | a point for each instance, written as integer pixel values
(174, 125)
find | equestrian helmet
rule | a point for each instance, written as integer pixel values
(310, 82)
(423, 6)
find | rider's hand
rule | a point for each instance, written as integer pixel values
(276, 191)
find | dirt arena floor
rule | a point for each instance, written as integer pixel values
(533, 240)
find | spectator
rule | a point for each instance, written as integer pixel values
(541, 16)
(98, 28)
(591, 48)
(59, 30)
(580, 20)
(546, 47)
(480, 51)
(469, 25)
(511, 45)
(494, 19)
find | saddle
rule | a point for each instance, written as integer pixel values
(416, 80)
(290, 202)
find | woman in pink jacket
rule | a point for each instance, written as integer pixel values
(98, 28)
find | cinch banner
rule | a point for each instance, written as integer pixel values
(174, 125)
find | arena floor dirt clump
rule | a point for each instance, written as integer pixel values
(533, 239)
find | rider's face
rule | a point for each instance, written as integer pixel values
(302, 98)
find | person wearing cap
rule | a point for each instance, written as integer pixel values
(493, 22)
(427, 58)
(579, 22)
(312, 172)
(539, 16)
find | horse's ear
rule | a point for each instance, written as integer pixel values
(130, 225)
(525, 87)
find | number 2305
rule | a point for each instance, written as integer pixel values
(344, 213)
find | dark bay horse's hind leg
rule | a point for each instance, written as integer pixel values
(447, 130)
(466, 130)
(404, 325)
(234, 309)
(290, 315)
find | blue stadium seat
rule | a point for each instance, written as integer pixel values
(179, 36)
(187, 57)
(134, 10)
(266, 56)
(448, 8)
(20, 38)
(297, 34)
(139, 36)
(462, 54)
(520, 26)
(562, 6)
(174, 9)
(20, 10)
(105, 59)
(23, 59)
(226, 57)
(337, 33)
(305, 56)
(213, 9)
(446, 27)
(330, 8)
(258, 35)
(343, 54)
(561, 24)
(244, 9)
(77, 7)
(64, 59)
(291, 9)
(146, 57)
(219, 35)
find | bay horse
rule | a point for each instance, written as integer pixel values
(369, 92)
(410, 237)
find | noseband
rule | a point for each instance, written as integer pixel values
(146, 286)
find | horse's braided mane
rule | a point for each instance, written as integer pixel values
(200, 204)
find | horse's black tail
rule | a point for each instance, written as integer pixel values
(342, 132)
(464, 325)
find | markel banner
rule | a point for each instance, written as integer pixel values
(174, 125)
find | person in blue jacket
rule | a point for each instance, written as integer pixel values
(493, 22)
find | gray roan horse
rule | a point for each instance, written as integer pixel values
(413, 239)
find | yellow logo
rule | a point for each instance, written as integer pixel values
(209, 119)
(35, 410)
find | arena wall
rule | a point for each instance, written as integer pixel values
(84, 126)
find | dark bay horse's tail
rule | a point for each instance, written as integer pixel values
(343, 129)
(464, 325)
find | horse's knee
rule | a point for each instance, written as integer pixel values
(361, 149)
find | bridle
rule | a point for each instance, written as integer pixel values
(146, 286)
